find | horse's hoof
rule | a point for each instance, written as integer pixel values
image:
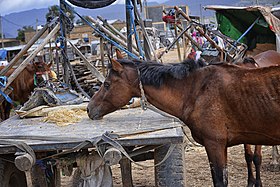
(251, 183)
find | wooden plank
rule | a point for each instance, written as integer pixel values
(120, 122)
(89, 66)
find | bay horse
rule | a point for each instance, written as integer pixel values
(264, 59)
(24, 84)
(223, 105)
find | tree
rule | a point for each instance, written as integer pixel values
(21, 32)
(54, 12)
(81, 22)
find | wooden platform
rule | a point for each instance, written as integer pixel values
(133, 127)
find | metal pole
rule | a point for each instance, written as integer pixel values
(128, 26)
(66, 73)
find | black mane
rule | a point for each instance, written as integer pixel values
(155, 73)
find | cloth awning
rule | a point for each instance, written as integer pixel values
(234, 21)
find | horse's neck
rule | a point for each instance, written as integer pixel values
(174, 97)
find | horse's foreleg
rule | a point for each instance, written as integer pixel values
(249, 160)
(258, 161)
(217, 155)
(7, 109)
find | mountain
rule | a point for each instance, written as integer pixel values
(14, 21)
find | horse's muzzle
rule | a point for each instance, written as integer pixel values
(94, 114)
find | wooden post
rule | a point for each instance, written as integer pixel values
(23, 50)
(102, 55)
(146, 37)
(90, 67)
(177, 42)
(126, 172)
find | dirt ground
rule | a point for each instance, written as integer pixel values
(198, 171)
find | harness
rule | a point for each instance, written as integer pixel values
(3, 82)
(39, 73)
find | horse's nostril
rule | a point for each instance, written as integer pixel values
(87, 110)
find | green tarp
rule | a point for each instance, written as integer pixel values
(234, 21)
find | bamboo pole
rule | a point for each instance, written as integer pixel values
(89, 66)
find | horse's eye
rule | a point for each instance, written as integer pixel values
(106, 85)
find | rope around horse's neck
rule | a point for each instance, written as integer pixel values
(143, 99)
(146, 105)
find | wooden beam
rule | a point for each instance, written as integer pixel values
(23, 50)
(112, 28)
(101, 45)
(141, 23)
(90, 67)
(200, 30)
(111, 35)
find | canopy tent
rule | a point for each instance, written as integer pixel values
(235, 21)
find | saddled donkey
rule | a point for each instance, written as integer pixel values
(223, 105)
(264, 59)
(24, 84)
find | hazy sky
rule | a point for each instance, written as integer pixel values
(10, 6)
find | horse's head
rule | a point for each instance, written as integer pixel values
(39, 68)
(119, 87)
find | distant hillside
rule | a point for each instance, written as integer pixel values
(15, 21)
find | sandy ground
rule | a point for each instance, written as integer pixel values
(198, 172)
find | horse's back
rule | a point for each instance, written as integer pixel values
(244, 102)
(267, 58)
(253, 96)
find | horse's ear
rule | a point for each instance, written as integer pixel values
(116, 65)
(119, 54)
(50, 64)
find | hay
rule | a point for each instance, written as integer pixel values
(63, 117)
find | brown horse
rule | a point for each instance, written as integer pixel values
(264, 59)
(223, 105)
(24, 84)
